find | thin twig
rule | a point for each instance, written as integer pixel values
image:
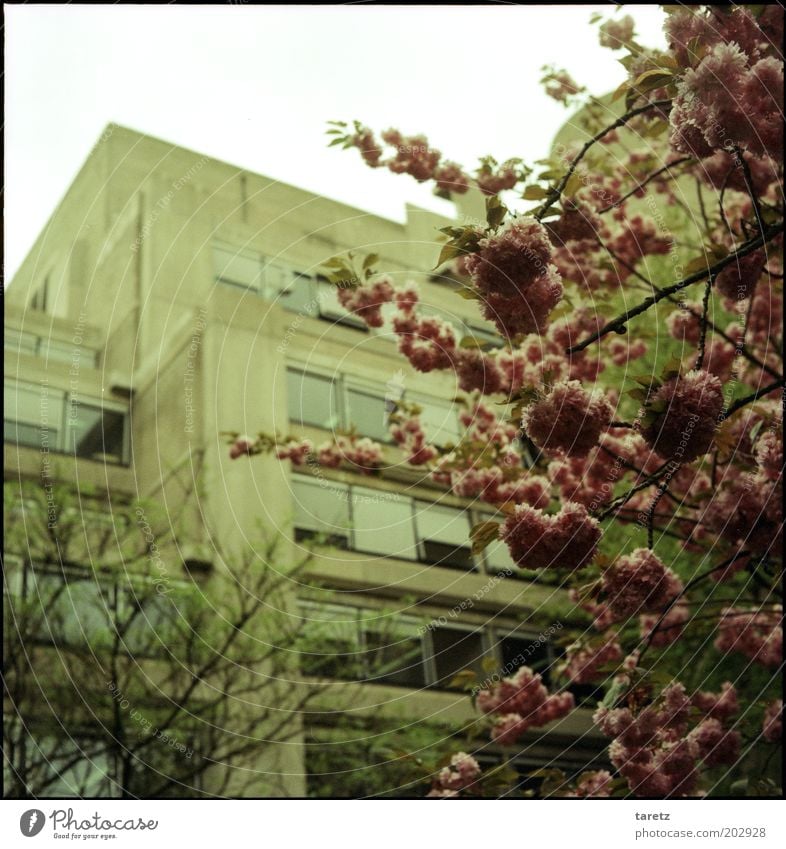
(617, 325)
(705, 304)
(556, 193)
(742, 402)
(644, 183)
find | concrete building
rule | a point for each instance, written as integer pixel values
(172, 298)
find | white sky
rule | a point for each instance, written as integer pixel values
(254, 86)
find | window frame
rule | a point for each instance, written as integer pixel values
(65, 424)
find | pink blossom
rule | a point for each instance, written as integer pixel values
(298, 451)
(617, 34)
(242, 445)
(491, 182)
(510, 260)
(366, 301)
(667, 630)
(593, 785)
(639, 583)
(584, 662)
(684, 324)
(566, 540)
(686, 412)
(716, 745)
(758, 634)
(721, 706)
(460, 774)
(560, 85)
(519, 703)
(568, 418)
(623, 351)
(449, 177)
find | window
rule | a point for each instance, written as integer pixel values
(347, 643)
(38, 416)
(455, 649)
(498, 558)
(90, 776)
(21, 343)
(313, 400)
(393, 654)
(439, 419)
(51, 350)
(330, 642)
(368, 413)
(295, 292)
(321, 511)
(96, 432)
(74, 605)
(382, 523)
(33, 415)
(237, 268)
(443, 536)
(518, 649)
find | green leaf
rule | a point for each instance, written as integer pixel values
(534, 192)
(656, 78)
(620, 91)
(463, 680)
(638, 394)
(471, 342)
(482, 534)
(495, 211)
(468, 294)
(370, 260)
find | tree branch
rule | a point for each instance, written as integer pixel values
(617, 325)
(556, 192)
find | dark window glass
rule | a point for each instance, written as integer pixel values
(521, 651)
(96, 433)
(444, 536)
(454, 650)
(394, 658)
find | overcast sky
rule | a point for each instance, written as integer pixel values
(254, 86)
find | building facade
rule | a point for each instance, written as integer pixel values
(173, 298)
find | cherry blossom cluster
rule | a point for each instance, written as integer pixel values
(366, 301)
(462, 773)
(617, 34)
(560, 85)
(513, 274)
(362, 453)
(410, 436)
(592, 785)
(584, 662)
(732, 98)
(655, 749)
(639, 583)
(568, 418)
(758, 634)
(537, 540)
(521, 702)
(687, 412)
